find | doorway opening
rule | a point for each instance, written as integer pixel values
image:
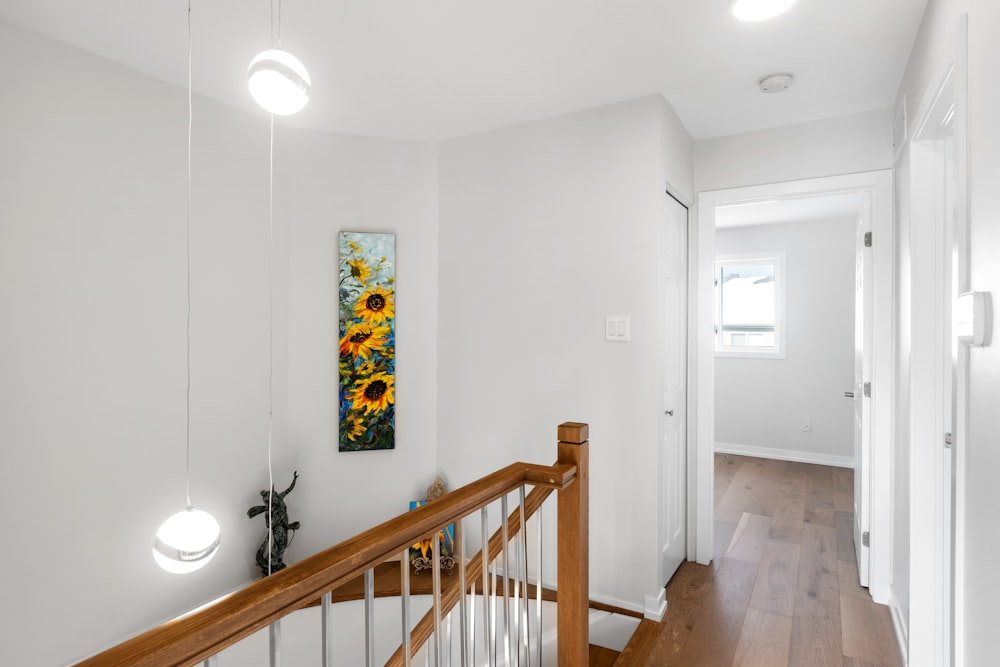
(867, 198)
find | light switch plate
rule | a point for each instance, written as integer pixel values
(616, 328)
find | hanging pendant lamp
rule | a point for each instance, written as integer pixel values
(189, 539)
(759, 10)
(278, 81)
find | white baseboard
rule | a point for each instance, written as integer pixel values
(656, 606)
(784, 454)
(899, 625)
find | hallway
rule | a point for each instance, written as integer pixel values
(782, 589)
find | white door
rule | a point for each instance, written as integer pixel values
(862, 391)
(673, 416)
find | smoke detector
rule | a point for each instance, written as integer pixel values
(775, 83)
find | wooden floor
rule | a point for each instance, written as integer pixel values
(782, 589)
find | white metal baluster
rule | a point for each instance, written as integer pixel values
(472, 623)
(274, 635)
(325, 602)
(463, 609)
(538, 582)
(516, 607)
(212, 661)
(369, 617)
(436, 577)
(506, 580)
(404, 573)
(525, 646)
(446, 640)
(488, 620)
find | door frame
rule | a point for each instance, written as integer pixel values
(701, 362)
(938, 369)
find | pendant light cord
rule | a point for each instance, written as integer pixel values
(275, 38)
(270, 341)
(187, 435)
(276, 26)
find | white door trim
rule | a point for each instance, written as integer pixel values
(938, 237)
(702, 355)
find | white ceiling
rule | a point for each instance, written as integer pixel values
(436, 69)
(846, 206)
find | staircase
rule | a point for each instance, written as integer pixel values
(478, 599)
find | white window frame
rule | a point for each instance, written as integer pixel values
(777, 351)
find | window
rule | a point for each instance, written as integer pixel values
(750, 305)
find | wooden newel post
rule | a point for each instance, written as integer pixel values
(574, 548)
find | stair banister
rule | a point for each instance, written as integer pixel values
(197, 637)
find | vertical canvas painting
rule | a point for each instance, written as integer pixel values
(367, 341)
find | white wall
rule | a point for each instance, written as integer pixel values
(92, 201)
(980, 492)
(546, 228)
(760, 403)
(333, 183)
(831, 147)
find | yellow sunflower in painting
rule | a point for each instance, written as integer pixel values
(361, 339)
(375, 305)
(423, 547)
(374, 394)
(360, 269)
(354, 429)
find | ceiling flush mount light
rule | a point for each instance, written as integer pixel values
(759, 10)
(279, 82)
(775, 83)
(190, 538)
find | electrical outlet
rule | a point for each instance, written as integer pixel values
(807, 426)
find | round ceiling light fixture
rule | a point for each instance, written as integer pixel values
(186, 541)
(279, 82)
(759, 10)
(775, 83)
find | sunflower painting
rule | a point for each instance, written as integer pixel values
(367, 341)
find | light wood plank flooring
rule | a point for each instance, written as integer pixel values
(783, 588)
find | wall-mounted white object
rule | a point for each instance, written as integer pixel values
(616, 328)
(974, 318)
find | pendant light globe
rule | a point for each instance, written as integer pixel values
(186, 541)
(279, 82)
(759, 10)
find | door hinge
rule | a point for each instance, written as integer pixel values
(866, 539)
(868, 389)
(868, 239)
(948, 440)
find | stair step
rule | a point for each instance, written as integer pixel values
(602, 657)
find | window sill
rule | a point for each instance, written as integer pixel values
(740, 354)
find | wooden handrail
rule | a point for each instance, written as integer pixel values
(200, 635)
